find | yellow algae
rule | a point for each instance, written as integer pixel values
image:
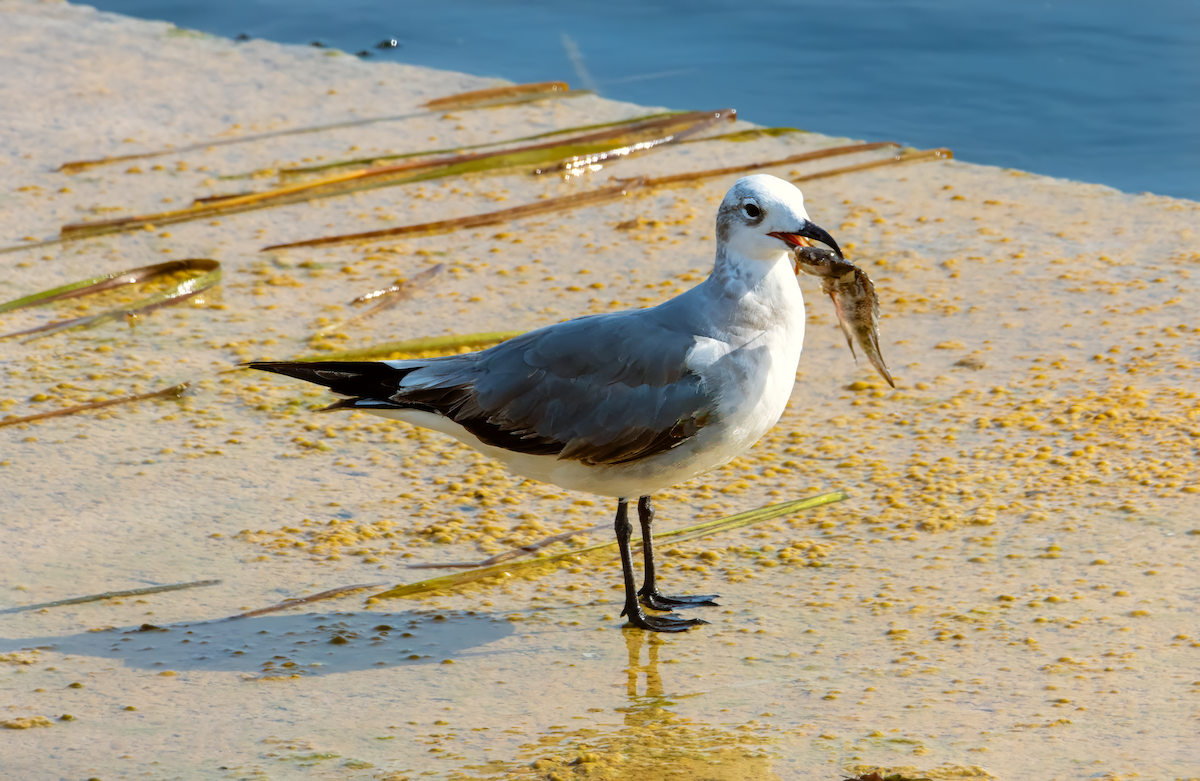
(17, 658)
(26, 722)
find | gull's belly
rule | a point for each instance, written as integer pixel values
(708, 450)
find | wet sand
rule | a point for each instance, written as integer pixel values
(1009, 592)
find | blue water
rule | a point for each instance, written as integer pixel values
(1098, 90)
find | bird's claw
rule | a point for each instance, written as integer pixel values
(656, 601)
(663, 623)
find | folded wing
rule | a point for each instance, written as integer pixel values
(608, 389)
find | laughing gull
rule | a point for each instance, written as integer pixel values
(628, 403)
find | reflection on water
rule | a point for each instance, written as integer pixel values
(652, 744)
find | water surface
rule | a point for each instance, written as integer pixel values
(1097, 91)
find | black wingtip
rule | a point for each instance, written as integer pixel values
(366, 379)
(301, 371)
(339, 376)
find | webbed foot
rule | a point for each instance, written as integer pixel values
(657, 601)
(663, 623)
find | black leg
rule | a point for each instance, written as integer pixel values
(633, 608)
(650, 595)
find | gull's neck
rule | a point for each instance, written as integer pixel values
(754, 294)
(736, 275)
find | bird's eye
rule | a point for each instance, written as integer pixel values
(751, 209)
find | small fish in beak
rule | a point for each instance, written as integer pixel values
(853, 298)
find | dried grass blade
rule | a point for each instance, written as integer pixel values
(402, 289)
(430, 344)
(210, 276)
(136, 592)
(502, 96)
(582, 199)
(76, 166)
(666, 129)
(548, 206)
(451, 565)
(285, 604)
(211, 199)
(905, 157)
(411, 347)
(659, 128)
(174, 391)
(753, 134)
(97, 284)
(391, 296)
(488, 97)
(365, 161)
(515, 553)
(33, 245)
(743, 519)
(804, 157)
(516, 100)
(595, 160)
(703, 529)
(578, 200)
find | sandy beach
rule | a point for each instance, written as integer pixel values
(1009, 592)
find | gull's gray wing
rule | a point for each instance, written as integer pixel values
(606, 389)
(609, 388)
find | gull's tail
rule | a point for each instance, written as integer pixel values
(375, 387)
(367, 384)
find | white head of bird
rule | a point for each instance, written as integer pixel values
(763, 217)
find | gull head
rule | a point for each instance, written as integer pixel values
(763, 217)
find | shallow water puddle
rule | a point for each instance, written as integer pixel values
(650, 741)
(284, 645)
